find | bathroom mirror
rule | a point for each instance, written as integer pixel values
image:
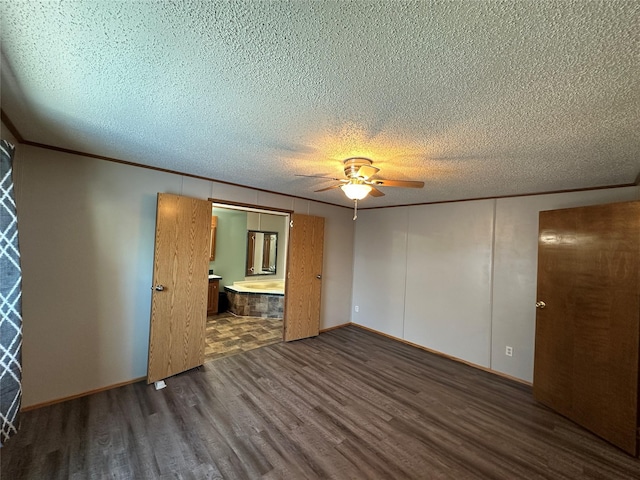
(261, 253)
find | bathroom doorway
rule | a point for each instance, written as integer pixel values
(249, 269)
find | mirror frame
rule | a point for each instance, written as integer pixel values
(252, 250)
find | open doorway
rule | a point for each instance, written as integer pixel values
(247, 272)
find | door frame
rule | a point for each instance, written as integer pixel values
(248, 207)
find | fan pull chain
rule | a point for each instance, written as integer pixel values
(355, 209)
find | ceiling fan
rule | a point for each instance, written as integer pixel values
(360, 182)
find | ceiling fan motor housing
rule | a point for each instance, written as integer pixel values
(352, 165)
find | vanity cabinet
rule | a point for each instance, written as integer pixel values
(212, 303)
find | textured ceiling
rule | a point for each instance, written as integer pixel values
(475, 98)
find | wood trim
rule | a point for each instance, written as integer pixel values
(444, 355)
(166, 170)
(324, 330)
(231, 203)
(14, 131)
(531, 194)
(11, 127)
(84, 394)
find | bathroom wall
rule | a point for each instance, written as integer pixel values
(86, 229)
(459, 278)
(230, 245)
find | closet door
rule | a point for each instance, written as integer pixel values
(587, 326)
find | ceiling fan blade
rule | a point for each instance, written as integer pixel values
(367, 171)
(375, 192)
(328, 188)
(397, 183)
(317, 176)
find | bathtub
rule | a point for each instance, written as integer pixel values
(256, 298)
(270, 287)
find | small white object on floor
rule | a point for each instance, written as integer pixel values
(159, 384)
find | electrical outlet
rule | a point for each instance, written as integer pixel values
(357, 308)
(508, 351)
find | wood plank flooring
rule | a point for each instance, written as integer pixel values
(348, 404)
(228, 334)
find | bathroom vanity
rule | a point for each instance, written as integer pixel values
(214, 288)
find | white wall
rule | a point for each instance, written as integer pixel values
(459, 278)
(380, 255)
(86, 231)
(448, 293)
(337, 268)
(515, 271)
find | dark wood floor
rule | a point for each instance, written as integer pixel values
(348, 404)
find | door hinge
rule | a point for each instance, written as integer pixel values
(291, 224)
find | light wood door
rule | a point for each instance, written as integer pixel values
(304, 277)
(180, 286)
(587, 335)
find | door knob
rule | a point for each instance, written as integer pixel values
(540, 304)
(318, 277)
(158, 287)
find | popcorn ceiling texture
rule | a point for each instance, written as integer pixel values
(475, 98)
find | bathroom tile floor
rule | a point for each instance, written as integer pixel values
(228, 334)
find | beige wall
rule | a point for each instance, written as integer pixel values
(459, 278)
(5, 134)
(86, 230)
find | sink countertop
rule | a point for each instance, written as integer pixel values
(214, 277)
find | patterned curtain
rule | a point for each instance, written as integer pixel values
(10, 300)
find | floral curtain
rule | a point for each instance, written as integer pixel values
(10, 300)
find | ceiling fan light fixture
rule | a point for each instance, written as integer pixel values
(356, 191)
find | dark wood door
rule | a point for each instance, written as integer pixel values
(587, 334)
(304, 277)
(179, 299)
